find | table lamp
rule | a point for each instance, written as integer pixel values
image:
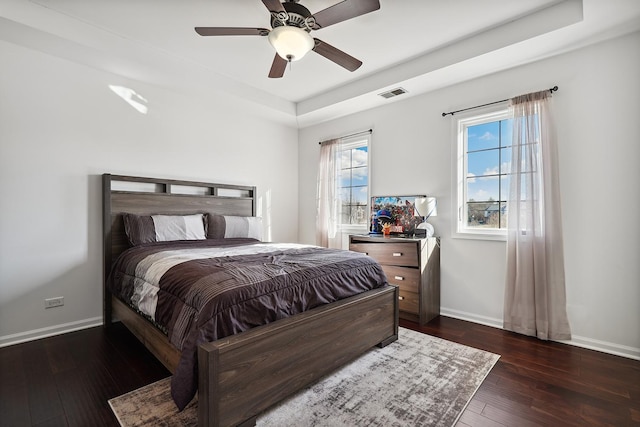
(427, 207)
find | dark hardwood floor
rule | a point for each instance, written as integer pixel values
(66, 380)
(540, 383)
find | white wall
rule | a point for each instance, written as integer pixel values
(60, 129)
(597, 110)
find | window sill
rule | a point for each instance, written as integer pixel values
(499, 236)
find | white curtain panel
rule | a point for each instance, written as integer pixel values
(327, 204)
(535, 299)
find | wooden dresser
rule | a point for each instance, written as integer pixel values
(412, 264)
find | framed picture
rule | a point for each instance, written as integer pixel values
(396, 212)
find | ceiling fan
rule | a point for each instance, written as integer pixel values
(291, 23)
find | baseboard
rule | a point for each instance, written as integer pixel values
(49, 331)
(577, 341)
(605, 347)
(471, 317)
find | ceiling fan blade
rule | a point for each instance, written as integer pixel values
(336, 55)
(274, 5)
(344, 10)
(231, 31)
(278, 67)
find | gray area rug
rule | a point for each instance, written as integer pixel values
(418, 380)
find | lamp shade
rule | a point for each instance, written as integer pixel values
(291, 43)
(426, 207)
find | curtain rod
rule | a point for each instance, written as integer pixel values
(553, 89)
(353, 134)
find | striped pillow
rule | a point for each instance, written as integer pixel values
(226, 227)
(163, 228)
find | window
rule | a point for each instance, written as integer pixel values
(354, 181)
(483, 174)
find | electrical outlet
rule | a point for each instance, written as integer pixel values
(53, 302)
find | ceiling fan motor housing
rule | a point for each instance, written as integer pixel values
(298, 16)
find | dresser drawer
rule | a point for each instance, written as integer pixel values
(404, 254)
(408, 301)
(406, 278)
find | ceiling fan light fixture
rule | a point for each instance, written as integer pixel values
(291, 43)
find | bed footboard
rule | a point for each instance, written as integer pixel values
(243, 375)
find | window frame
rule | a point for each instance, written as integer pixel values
(460, 172)
(349, 143)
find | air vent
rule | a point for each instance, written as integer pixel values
(393, 92)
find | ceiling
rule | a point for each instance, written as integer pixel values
(419, 45)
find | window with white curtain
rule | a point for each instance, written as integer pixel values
(483, 173)
(343, 189)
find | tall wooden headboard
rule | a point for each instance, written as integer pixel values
(144, 196)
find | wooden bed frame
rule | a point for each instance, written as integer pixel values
(243, 375)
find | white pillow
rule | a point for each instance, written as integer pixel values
(243, 226)
(178, 227)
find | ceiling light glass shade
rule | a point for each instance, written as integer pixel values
(291, 43)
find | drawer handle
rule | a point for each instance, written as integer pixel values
(398, 277)
(397, 254)
(400, 298)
